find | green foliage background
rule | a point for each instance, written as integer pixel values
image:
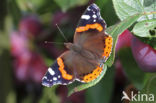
(119, 15)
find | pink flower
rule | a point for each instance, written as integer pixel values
(144, 55)
(30, 69)
(28, 65)
(19, 44)
(124, 40)
(37, 68)
(30, 25)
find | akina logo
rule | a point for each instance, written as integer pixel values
(138, 97)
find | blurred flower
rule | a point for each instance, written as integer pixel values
(19, 44)
(21, 66)
(78, 97)
(124, 40)
(28, 64)
(37, 67)
(59, 17)
(120, 75)
(29, 67)
(30, 25)
(144, 55)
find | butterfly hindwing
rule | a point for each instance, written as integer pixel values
(83, 66)
(57, 74)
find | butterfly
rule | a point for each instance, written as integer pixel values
(85, 57)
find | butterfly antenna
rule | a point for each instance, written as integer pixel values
(61, 33)
(47, 42)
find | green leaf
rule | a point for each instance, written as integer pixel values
(126, 8)
(146, 32)
(11, 97)
(6, 79)
(150, 41)
(107, 11)
(45, 10)
(116, 30)
(49, 95)
(145, 28)
(77, 86)
(66, 4)
(14, 11)
(133, 72)
(48, 61)
(149, 89)
(35, 5)
(3, 8)
(102, 92)
(4, 41)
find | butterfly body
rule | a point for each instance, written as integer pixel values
(84, 58)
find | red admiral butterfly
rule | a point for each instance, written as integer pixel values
(84, 60)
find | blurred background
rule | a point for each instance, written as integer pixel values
(26, 25)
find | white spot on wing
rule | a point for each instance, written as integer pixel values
(44, 77)
(85, 17)
(47, 85)
(54, 78)
(94, 16)
(59, 76)
(64, 83)
(88, 9)
(51, 71)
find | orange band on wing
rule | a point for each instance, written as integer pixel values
(89, 26)
(61, 69)
(93, 75)
(108, 46)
